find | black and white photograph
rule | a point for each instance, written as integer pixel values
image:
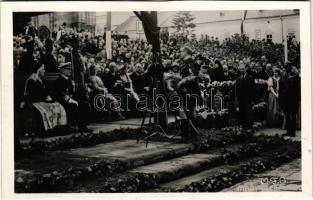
(180, 101)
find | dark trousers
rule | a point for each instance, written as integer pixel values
(291, 123)
(245, 115)
(76, 115)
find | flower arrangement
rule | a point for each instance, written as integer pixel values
(79, 140)
(137, 182)
(204, 113)
(51, 181)
(221, 84)
(260, 81)
(260, 106)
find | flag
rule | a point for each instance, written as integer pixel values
(243, 18)
(150, 26)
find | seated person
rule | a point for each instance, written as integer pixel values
(172, 77)
(123, 87)
(37, 96)
(63, 93)
(109, 77)
(141, 82)
(97, 87)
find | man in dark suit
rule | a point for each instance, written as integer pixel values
(226, 75)
(218, 71)
(289, 99)
(244, 94)
(63, 93)
(141, 82)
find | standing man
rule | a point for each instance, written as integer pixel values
(289, 99)
(244, 94)
(188, 88)
(64, 94)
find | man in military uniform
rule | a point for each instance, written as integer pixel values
(188, 88)
(63, 93)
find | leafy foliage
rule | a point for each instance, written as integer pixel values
(183, 22)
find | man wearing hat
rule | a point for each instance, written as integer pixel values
(63, 93)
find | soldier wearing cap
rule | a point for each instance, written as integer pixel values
(64, 92)
(187, 87)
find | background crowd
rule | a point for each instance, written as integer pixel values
(125, 73)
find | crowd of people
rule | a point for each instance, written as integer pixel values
(187, 62)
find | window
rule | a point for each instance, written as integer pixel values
(296, 11)
(269, 38)
(257, 34)
(139, 27)
(291, 33)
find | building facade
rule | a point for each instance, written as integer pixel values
(81, 20)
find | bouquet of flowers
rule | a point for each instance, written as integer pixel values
(259, 106)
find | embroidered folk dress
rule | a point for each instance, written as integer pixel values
(274, 113)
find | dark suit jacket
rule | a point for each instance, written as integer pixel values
(245, 89)
(290, 94)
(139, 82)
(62, 87)
(36, 91)
(50, 62)
(226, 77)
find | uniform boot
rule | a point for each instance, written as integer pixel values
(185, 133)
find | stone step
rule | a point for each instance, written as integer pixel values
(252, 185)
(133, 154)
(166, 170)
(182, 166)
(127, 151)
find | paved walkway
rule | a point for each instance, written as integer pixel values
(284, 178)
(278, 131)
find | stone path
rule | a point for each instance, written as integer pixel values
(284, 178)
(278, 131)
